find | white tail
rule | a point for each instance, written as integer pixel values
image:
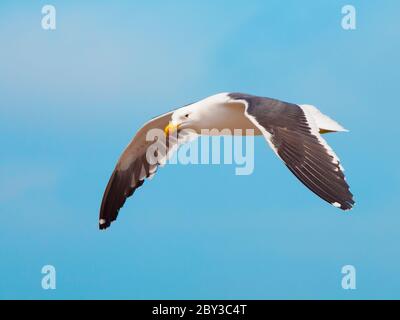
(323, 122)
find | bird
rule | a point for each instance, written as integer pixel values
(293, 131)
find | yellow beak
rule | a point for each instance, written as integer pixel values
(170, 128)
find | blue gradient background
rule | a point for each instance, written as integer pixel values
(71, 99)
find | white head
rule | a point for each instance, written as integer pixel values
(199, 115)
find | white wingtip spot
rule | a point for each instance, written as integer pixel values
(336, 204)
(102, 221)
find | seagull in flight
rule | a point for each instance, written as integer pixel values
(294, 132)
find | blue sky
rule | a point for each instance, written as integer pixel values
(71, 99)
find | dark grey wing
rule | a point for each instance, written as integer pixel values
(122, 184)
(130, 172)
(295, 138)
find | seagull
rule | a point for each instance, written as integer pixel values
(294, 132)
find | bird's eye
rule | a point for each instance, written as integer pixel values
(187, 115)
